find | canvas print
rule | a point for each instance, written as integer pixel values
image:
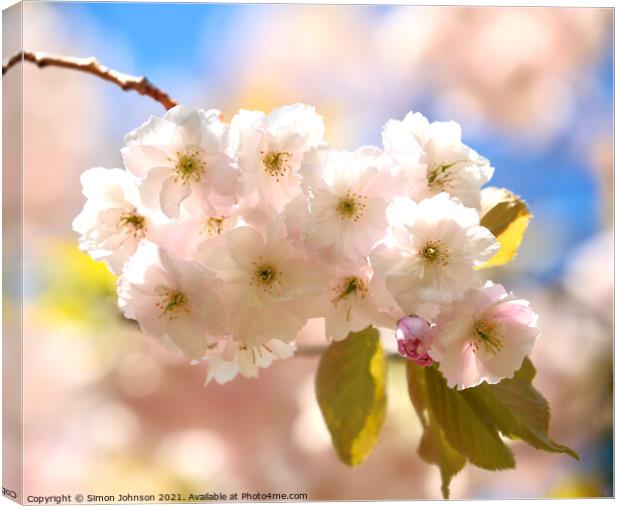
(306, 252)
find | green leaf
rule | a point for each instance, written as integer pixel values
(434, 447)
(518, 410)
(527, 372)
(350, 389)
(507, 217)
(467, 427)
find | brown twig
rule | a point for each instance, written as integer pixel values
(91, 66)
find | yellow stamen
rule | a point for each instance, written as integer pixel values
(135, 222)
(172, 303)
(485, 333)
(189, 166)
(351, 206)
(434, 252)
(348, 287)
(214, 226)
(266, 277)
(275, 164)
(439, 177)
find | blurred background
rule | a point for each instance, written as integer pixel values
(107, 410)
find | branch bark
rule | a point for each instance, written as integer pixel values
(91, 66)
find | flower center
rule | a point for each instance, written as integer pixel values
(348, 287)
(171, 303)
(265, 274)
(133, 221)
(434, 252)
(351, 206)
(266, 277)
(430, 253)
(275, 163)
(439, 177)
(485, 333)
(189, 166)
(214, 226)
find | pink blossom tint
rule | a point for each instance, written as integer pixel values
(483, 337)
(414, 339)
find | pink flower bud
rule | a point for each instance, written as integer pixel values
(414, 339)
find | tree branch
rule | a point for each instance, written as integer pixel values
(91, 66)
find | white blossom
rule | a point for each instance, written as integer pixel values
(183, 154)
(228, 239)
(190, 237)
(434, 159)
(230, 358)
(270, 150)
(483, 337)
(268, 285)
(113, 220)
(348, 194)
(353, 301)
(171, 299)
(432, 250)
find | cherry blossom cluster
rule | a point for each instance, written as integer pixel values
(228, 238)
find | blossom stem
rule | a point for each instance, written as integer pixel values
(91, 66)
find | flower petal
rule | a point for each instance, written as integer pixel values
(173, 192)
